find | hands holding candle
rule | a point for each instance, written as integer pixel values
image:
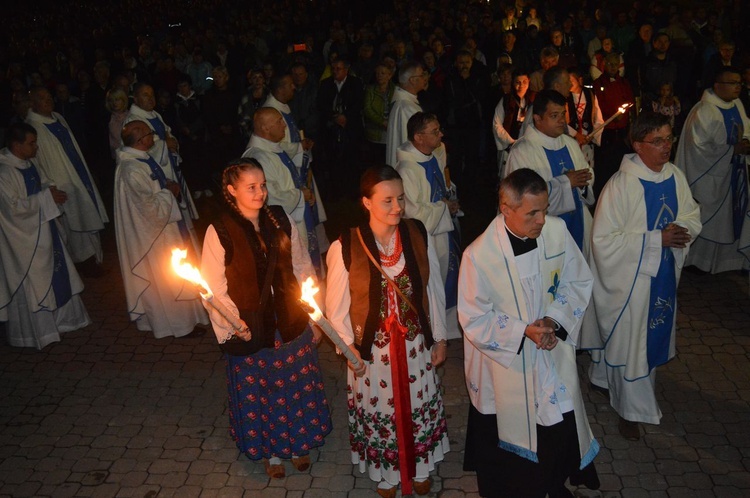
(620, 111)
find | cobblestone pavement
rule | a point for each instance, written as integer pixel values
(110, 411)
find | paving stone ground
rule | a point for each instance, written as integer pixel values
(113, 412)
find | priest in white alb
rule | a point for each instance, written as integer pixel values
(149, 224)
(412, 79)
(287, 182)
(431, 199)
(557, 157)
(60, 159)
(645, 220)
(522, 292)
(39, 286)
(713, 153)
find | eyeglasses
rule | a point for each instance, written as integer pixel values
(435, 132)
(733, 83)
(661, 142)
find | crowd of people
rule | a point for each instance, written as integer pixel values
(278, 110)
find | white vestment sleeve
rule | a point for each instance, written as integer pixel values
(436, 294)
(498, 339)
(560, 195)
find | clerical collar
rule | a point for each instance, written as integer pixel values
(520, 245)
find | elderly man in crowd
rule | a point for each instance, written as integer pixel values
(39, 286)
(289, 186)
(412, 79)
(645, 221)
(60, 159)
(149, 224)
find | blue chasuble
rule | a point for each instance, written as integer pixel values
(438, 192)
(311, 212)
(661, 210)
(294, 135)
(157, 174)
(60, 276)
(560, 162)
(66, 140)
(733, 125)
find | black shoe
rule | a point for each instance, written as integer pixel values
(629, 430)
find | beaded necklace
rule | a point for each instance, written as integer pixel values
(386, 259)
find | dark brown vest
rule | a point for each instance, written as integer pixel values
(365, 281)
(246, 266)
(511, 103)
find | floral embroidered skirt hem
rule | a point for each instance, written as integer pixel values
(372, 429)
(277, 404)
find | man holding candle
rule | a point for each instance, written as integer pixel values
(148, 225)
(645, 221)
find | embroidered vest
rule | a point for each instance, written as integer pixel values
(510, 105)
(365, 281)
(246, 267)
(587, 112)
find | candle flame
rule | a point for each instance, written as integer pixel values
(188, 271)
(623, 108)
(308, 291)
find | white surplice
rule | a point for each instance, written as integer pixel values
(27, 300)
(83, 217)
(499, 294)
(403, 106)
(705, 157)
(626, 254)
(146, 227)
(281, 189)
(528, 152)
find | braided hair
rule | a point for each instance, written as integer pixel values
(231, 175)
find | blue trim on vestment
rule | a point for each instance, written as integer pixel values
(517, 450)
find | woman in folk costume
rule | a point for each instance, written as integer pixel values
(385, 297)
(253, 260)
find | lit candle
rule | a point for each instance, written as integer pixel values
(191, 274)
(620, 110)
(317, 318)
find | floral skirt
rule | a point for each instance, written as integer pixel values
(372, 420)
(277, 404)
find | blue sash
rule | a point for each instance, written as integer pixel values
(311, 212)
(438, 192)
(157, 174)
(294, 135)
(661, 210)
(66, 140)
(60, 276)
(733, 125)
(560, 162)
(161, 131)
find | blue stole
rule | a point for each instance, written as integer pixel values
(60, 276)
(661, 210)
(438, 192)
(733, 125)
(560, 162)
(66, 140)
(311, 212)
(157, 174)
(294, 135)
(161, 130)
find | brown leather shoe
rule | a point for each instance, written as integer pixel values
(629, 430)
(422, 487)
(388, 493)
(274, 471)
(301, 463)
